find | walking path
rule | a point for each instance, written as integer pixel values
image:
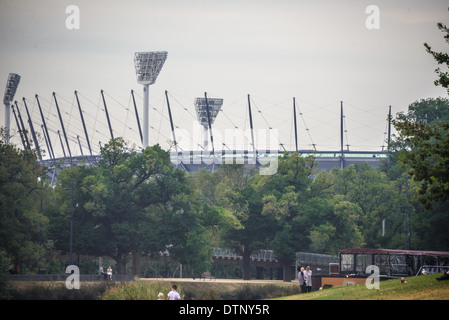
(216, 280)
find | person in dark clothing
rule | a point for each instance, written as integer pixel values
(445, 276)
(302, 283)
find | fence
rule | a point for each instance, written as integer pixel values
(432, 269)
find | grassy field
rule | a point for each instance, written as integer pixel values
(148, 289)
(415, 288)
(200, 290)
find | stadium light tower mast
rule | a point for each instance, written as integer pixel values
(148, 65)
(10, 91)
(207, 111)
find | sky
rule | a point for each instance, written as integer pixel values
(319, 52)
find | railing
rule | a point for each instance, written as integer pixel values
(432, 269)
(316, 258)
(261, 255)
(197, 156)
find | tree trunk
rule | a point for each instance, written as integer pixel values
(246, 265)
(288, 274)
(120, 258)
(136, 263)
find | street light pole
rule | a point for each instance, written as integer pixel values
(406, 227)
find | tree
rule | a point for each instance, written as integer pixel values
(441, 58)
(287, 236)
(427, 160)
(413, 159)
(118, 205)
(376, 197)
(425, 134)
(21, 218)
(137, 204)
(238, 193)
(286, 200)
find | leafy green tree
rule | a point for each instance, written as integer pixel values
(139, 204)
(428, 228)
(286, 239)
(424, 136)
(237, 192)
(286, 201)
(115, 203)
(409, 154)
(425, 130)
(21, 218)
(374, 194)
(441, 57)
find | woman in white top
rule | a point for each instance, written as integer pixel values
(109, 272)
(308, 279)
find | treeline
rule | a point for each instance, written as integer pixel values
(134, 204)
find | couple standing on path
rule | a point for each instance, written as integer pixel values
(305, 279)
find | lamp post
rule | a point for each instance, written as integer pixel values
(148, 65)
(406, 231)
(11, 86)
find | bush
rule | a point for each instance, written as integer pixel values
(4, 279)
(56, 291)
(137, 290)
(148, 290)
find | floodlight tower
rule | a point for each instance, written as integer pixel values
(207, 111)
(11, 87)
(148, 65)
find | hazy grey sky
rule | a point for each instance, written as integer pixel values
(320, 52)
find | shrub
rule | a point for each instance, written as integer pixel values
(137, 290)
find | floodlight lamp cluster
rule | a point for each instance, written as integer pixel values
(11, 87)
(214, 104)
(148, 65)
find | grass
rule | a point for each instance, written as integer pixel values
(136, 290)
(197, 290)
(149, 290)
(34, 290)
(415, 288)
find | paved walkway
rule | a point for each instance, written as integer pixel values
(216, 280)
